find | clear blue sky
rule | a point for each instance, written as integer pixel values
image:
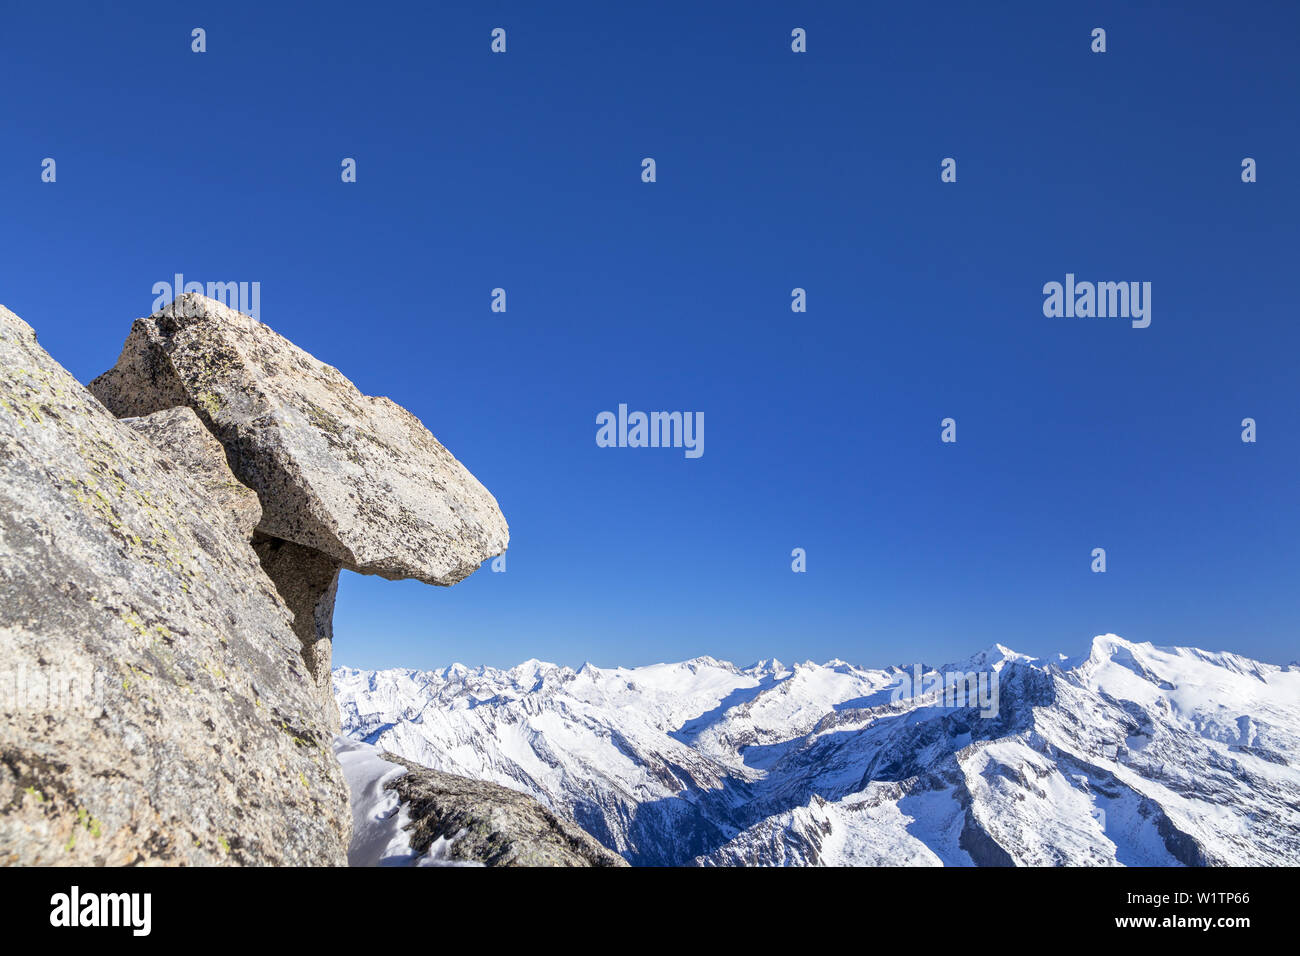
(775, 170)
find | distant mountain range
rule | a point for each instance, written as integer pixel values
(1130, 755)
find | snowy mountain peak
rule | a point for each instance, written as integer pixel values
(991, 658)
(763, 668)
(1108, 645)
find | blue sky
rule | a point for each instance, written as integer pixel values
(775, 171)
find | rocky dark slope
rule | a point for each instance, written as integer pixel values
(487, 823)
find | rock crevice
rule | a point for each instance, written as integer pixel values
(308, 581)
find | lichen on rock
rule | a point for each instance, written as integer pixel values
(355, 477)
(345, 480)
(181, 437)
(156, 704)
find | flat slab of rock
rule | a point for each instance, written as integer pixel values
(355, 477)
(181, 437)
(155, 705)
(481, 822)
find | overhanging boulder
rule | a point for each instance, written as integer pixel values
(345, 480)
(352, 476)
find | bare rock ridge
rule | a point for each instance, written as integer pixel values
(155, 704)
(345, 480)
(487, 823)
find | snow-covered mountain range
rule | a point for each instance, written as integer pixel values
(1130, 755)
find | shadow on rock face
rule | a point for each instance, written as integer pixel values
(308, 581)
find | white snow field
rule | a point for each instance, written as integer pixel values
(1129, 755)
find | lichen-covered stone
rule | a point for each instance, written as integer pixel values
(354, 477)
(154, 706)
(182, 438)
